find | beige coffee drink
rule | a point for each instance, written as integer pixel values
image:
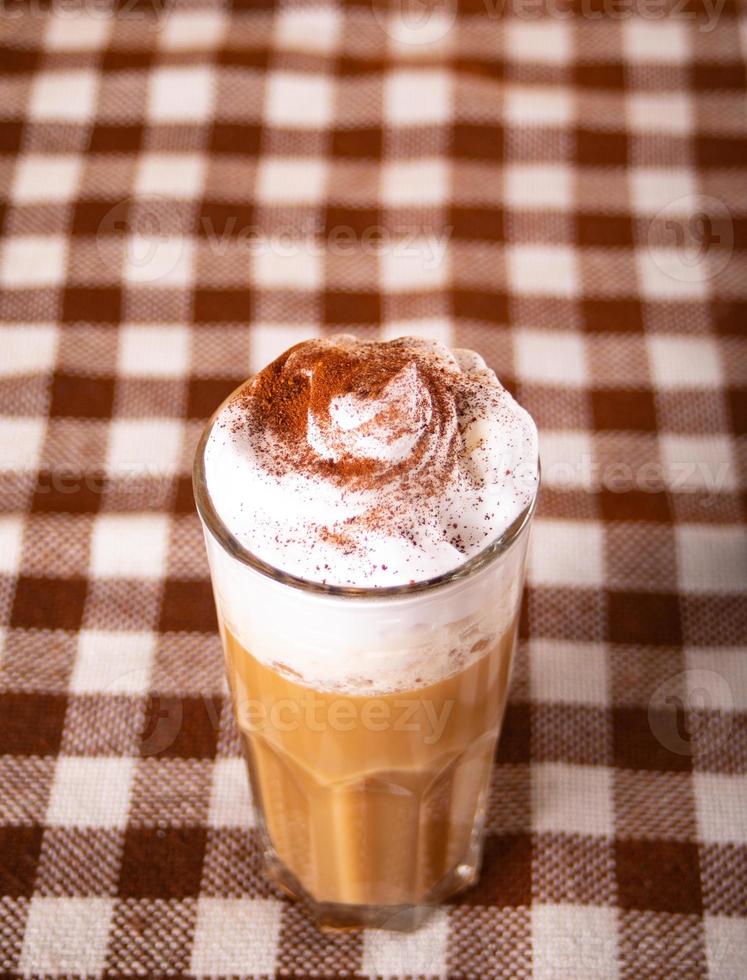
(366, 509)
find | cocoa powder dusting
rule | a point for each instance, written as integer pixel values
(304, 382)
(358, 463)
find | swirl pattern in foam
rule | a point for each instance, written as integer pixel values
(371, 464)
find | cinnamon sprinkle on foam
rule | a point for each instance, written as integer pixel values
(376, 463)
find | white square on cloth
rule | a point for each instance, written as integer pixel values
(314, 29)
(572, 799)
(726, 941)
(144, 447)
(667, 113)
(28, 349)
(63, 96)
(181, 95)
(683, 361)
(414, 264)
(278, 264)
(566, 458)
(113, 662)
(232, 933)
(91, 792)
(417, 96)
(544, 40)
(187, 30)
(568, 672)
(712, 558)
(566, 553)
(414, 182)
(555, 357)
(78, 30)
(719, 800)
(230, 800)
(698, 462)
(66, 936)
(32, 260)
(543, 270)
(658, 41)
(40, 178)
(11, 534)
(539, 185)
(578, 941)
(158, 350)
(538, 106)
(20, 442)
(166, 261)
(172, 175)
(130, 546)
(291, 180)
(399, 954)
(297, 99)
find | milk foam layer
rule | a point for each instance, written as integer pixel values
(368, 646)
(371, 464)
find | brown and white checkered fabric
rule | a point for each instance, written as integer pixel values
(185, 190)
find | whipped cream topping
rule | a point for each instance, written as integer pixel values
(371, 464)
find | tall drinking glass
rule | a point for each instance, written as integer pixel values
(370, 788)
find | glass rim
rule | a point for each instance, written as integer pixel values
(230, 544)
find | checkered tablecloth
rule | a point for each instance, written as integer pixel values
(185, 190)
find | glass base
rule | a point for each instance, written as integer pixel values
(333, 917)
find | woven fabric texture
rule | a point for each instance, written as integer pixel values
(186, 189)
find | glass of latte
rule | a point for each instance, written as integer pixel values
(366, 509)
